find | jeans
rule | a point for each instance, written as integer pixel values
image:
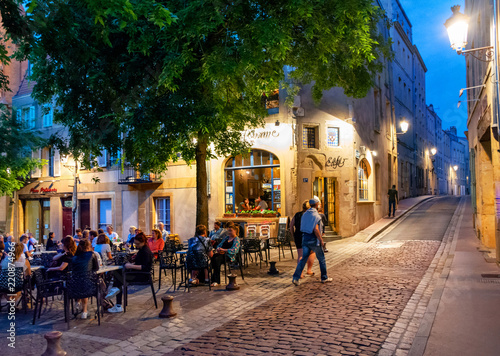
(392, 204)
(308, 247)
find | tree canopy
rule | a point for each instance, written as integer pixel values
(159, 78)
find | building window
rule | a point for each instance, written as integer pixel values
(30, 118)
(273, 103)
(47, 116)
(363, 173)
(51, 162)
(332, 137)
(162, 207)
(105, 216)
(309, 135)
(252, 176)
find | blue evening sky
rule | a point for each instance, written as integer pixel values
(445, 69)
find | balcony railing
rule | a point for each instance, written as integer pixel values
(132, 176)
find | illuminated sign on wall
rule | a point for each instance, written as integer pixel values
(43, 190)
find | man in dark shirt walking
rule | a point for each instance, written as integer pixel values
(393, 199)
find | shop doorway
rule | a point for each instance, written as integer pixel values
(45, 226)
(324, 189)
(32, 217)
(84, 213)
(67, 217)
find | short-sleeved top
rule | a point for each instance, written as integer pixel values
(164, 235)
(216, 234)
(393, 194)
(297, 234)
(113, 237)
(103, 250)
(156, 245)
(262, 205)
(50, 244)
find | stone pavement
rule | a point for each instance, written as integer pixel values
(353, 315)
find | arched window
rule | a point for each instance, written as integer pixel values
(363, 174)
(250, 176)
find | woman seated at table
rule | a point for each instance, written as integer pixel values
(63, 260)
(229, 246)
(102, 247)
(156, 243)
(19, 261)
(51, 244)
(84, 261)
(143, 262)
(131, 235)
(199, 244)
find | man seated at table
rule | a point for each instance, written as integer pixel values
(260, 203)
(19, 260)
(215, 234)
(199, 244)
(143, 262)
(24, 241)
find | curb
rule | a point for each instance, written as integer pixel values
(393, 221)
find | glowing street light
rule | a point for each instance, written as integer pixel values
(433, 151)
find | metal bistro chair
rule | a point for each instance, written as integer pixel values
(81, 285)
(250, 246)
(46, 289)
(198, 260)
(146, 280)
(227, 264)
(20, 284)
(168, 261)
(282, 240)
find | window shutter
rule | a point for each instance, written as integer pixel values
(57, 163)
(19, 115)
(102, 160)
(37, 172)
(31, 123)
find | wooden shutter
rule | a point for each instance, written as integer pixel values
(37, 172)
(57, 163)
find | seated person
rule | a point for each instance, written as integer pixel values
(200, 243)
(103, 248)
(84, 261)
(78, 236)
(132, 232)
(51, 244)
(229, 246)
(93, 237)
(112, 236)
(143, 262)
(24, 240)
(19, 261)
(32, 242)
(260, 203)
(63, 260)
(245, 205)
(156, 243)
(216, 232)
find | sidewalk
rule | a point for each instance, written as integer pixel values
(467, 321)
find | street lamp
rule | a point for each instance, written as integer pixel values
(457, 26)
(433, 151)
(455, 168)
(404, 127)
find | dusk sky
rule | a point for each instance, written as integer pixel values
(445, 68)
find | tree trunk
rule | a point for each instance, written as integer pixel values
(201, 181)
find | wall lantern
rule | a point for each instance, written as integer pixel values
(455, 168)
(433, 151)
(404, 127)
(457, 26)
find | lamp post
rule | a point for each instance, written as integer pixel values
(433, 152)
(74, 169)
(455, 168)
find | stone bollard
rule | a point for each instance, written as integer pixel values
(168, 309)
(272, 268)
(53, 344)
(232, 282)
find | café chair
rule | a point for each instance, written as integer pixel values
(147, 279)
(250, 246)
(168, 261)
(198, 260)
(81, 285)
(20, 285)
(46, 289)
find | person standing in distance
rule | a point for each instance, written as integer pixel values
(393, 199)
(312, 241)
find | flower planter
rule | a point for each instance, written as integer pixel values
(229, 215)
(257, 215)
(244, 215)
(269, 215)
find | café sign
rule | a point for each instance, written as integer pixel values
(43, 190)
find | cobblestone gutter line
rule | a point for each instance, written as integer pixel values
(409, 335)
(191, 325)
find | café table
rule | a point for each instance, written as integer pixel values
(42, 252)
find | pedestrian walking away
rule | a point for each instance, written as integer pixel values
(393, 200)
(312, 241)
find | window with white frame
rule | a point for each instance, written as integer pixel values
(363, 173)
(162, 208)
(31, 118)
(48, 115)
(105, 215)
(332, 138)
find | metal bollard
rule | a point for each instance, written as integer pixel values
(272, 268)
(232, 282)
(168, 309)
(53, 344)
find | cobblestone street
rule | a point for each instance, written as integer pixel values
(373, 306)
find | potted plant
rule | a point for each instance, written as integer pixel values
(244, 214)
(229, 214)
(257, 213)
(269, 213)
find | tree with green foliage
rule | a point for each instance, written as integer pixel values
(159, 78)
(16, 144)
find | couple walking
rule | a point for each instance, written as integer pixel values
(312, 242)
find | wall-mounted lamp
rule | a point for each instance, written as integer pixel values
(433, 151)
(457, 26)
(64, 159)
(455, 168)
(464, 89)
(374, 153)
(461, 101)
(404, 125)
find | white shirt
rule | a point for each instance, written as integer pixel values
(113, 237)
(103, 249)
